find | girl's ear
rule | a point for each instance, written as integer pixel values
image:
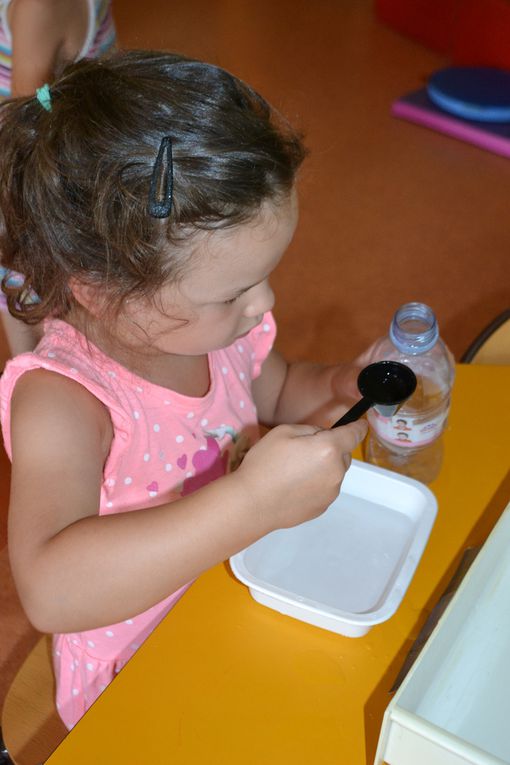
(88, 296)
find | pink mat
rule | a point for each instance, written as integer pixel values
(418, 108)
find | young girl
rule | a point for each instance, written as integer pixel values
(36, 40)
(147, 208)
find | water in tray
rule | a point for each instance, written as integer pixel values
(346, 559)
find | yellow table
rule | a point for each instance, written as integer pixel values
(226, 680)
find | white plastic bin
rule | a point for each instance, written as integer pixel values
(454, 705)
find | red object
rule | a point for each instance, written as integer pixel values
(429, 21)
(469, 32)
(482, 34)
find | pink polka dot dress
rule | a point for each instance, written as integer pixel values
(165, 446)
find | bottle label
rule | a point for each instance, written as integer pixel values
(404, 430)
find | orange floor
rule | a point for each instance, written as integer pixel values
(390, 212)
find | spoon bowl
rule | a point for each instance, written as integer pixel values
(384, 385)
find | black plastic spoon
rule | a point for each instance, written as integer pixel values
(384, 385)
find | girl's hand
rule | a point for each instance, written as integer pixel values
(294, 473)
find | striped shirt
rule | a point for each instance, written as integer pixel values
(100, 38)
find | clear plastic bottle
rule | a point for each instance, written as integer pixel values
(410, 442)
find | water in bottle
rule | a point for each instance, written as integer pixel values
(410, 442)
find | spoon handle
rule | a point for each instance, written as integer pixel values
(354, 413)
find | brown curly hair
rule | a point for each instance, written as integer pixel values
(74, 181)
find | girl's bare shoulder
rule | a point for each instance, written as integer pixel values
(46, 401)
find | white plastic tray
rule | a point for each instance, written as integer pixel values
(348, 569)
(453, 707)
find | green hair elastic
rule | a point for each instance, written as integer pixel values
(43, 95)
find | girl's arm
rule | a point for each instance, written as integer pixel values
(76, 570)
(36, 38)
(304, 391)
(45, 33)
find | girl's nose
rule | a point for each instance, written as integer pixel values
(260, 300)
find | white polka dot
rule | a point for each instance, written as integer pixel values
(203, 448)
(58, 706)
(241, 404)
(128, 480)
(109, 633)
(76, 663)
(189, 474)
(57, 653)
(179, 439)
(109, 504)
(224, 370)
(75, 642)
(72, 667)
(156, 428)
(73, 371)
(190, 415)
(134, 646)
(91, 644)
(146, 457)
(128, 621)
(204, 422)
(266, 327)
(167, 402)
(75, 691)
(241, 375)
(240, 348)
(112, 373)
(90, 666)
(168, 467)
(51, 355)
(138, 389)
(102, 688)
(136, 415)
(110, 481)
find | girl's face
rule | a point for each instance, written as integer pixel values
(225, 291)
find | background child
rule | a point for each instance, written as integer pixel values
(147, 208)
(36, 40)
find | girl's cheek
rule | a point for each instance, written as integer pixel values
(261, 302)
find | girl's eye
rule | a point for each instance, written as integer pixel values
(232, 300)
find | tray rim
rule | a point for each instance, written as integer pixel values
(402, 580)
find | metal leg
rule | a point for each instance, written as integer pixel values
(4, 754)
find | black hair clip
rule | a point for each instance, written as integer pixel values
(162, 181)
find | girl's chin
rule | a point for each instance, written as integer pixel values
(248, 330)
